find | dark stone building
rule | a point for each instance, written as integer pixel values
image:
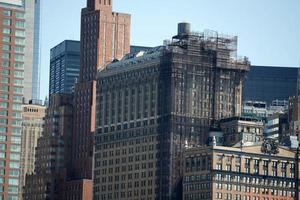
(151, 103)
(270, 83)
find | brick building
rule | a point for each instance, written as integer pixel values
(105, 36)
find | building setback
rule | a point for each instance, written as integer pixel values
(151, 103)
(270, 83)
(254, 172)
(52, 152)
(32, 128)
(64, 66)
(105, 36)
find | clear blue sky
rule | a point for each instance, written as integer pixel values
(268, 30)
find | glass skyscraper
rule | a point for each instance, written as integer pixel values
(266, 83)
(64, 66)
(32, 50)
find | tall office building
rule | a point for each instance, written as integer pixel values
(105, 36)
(64, 67)
(32, 127)
(150, 104)
(270, 83)
(32, 49)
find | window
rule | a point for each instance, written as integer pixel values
(19, 41)
(3, 147)
(15, 148)
(2, 138)
(19, 57)
(17, 107)
(4, 72)
(18, 90)
(3, 112)
(5, 55)
(13, 181)
(6, 39)
(19, 49)
(7, 22)
(14, 172)
(20, 15)
(5, 63)
(16, 131)
(17, 98)
(4, 88)
(3, 121)
(3, 105)
(18, 74)
(20, 24)
(20, 33)
(18, 82)
(6, 47)
(19, 65)
(2, 130)
(6, 30)
(17, 115)
(2, 155)
(7, 13)
(16, 140)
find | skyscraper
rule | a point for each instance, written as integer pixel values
(265, 83)
(32, 50)
(105, 36)
(64, 66)
(151, 104)
(12, 66)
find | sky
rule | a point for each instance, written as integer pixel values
(268, 30)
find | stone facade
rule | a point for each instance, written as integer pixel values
(150, 103)
(247, 173)
(32, 128)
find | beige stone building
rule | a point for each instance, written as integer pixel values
(261, 172)
(32, 127)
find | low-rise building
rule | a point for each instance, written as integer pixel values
(260, 172)
(245, 131)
